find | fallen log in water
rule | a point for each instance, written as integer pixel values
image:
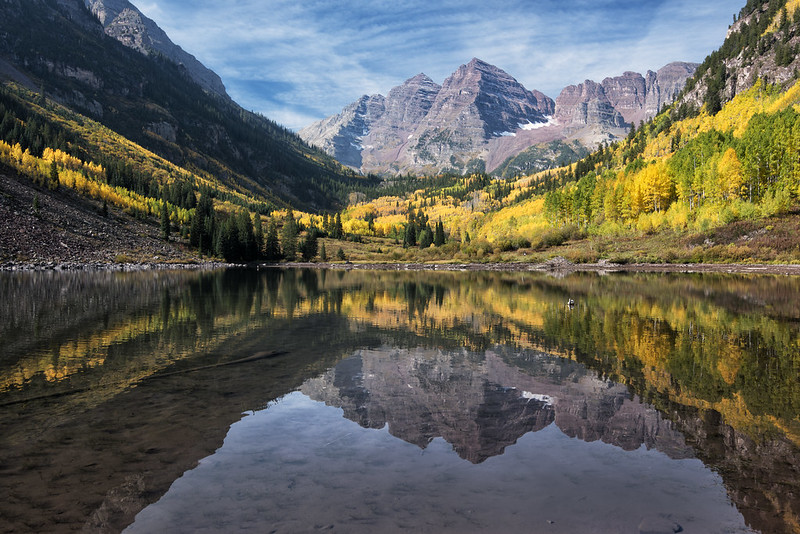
(255, 357)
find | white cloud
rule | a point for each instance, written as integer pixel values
(315, 57)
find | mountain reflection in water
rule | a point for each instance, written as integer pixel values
(480, 404)
(652, 373)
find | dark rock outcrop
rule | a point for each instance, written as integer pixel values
(623, 100)
(125, 23)
(343, 134)
(666, 85)
(627, 94)
(587, 104)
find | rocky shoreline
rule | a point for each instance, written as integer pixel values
(559, 265)
(104, 266)
(555, 265)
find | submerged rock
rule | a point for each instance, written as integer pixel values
(659, 525)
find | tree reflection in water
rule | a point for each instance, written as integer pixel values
(479, 359)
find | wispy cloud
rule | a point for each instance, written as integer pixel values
(297, 62)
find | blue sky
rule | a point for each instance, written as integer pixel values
(298, 61)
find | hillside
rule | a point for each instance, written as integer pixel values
(100, 110)
(762, 44)
(125, 23)
(126, 179)
(144, 95)
(46, 229)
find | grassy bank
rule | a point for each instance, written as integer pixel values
(771, 240)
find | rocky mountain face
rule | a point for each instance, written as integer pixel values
(427, 127)
(587, 104)
(342, 134)
(477, 103)
(125, 23)
(639, 98)
(406, 107)
(762, 44)
(664, 86)
(375, 128)
(481, 116)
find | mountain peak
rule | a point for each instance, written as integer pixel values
(420, 80)
(475, 62)
(480, 68)
(421, 77)
(427, 127)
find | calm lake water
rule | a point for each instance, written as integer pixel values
(371, 401)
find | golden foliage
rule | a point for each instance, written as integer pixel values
(86, 178)
(791, 6)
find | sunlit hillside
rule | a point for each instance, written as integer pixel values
(682, 175)
(99, 162)
(678, 176)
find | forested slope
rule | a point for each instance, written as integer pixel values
(59, 48)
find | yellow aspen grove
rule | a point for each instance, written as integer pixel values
(729, 175)
(16, 153)
(635, 195)
(656, 186)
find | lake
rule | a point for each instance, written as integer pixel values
(286, 400)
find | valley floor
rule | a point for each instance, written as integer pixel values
(62, 230)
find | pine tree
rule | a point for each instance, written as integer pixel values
(323, 254)
(196, 230)
(289, 237)
(53, 182)
(246, 239)
(165, 226)
(259, 235)
(338, 231)
(202, 226)
(410, 235)
(632, 132)
(272, 248)
(227, 241)
(439, 237)
(425, 237)
(308, 248)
